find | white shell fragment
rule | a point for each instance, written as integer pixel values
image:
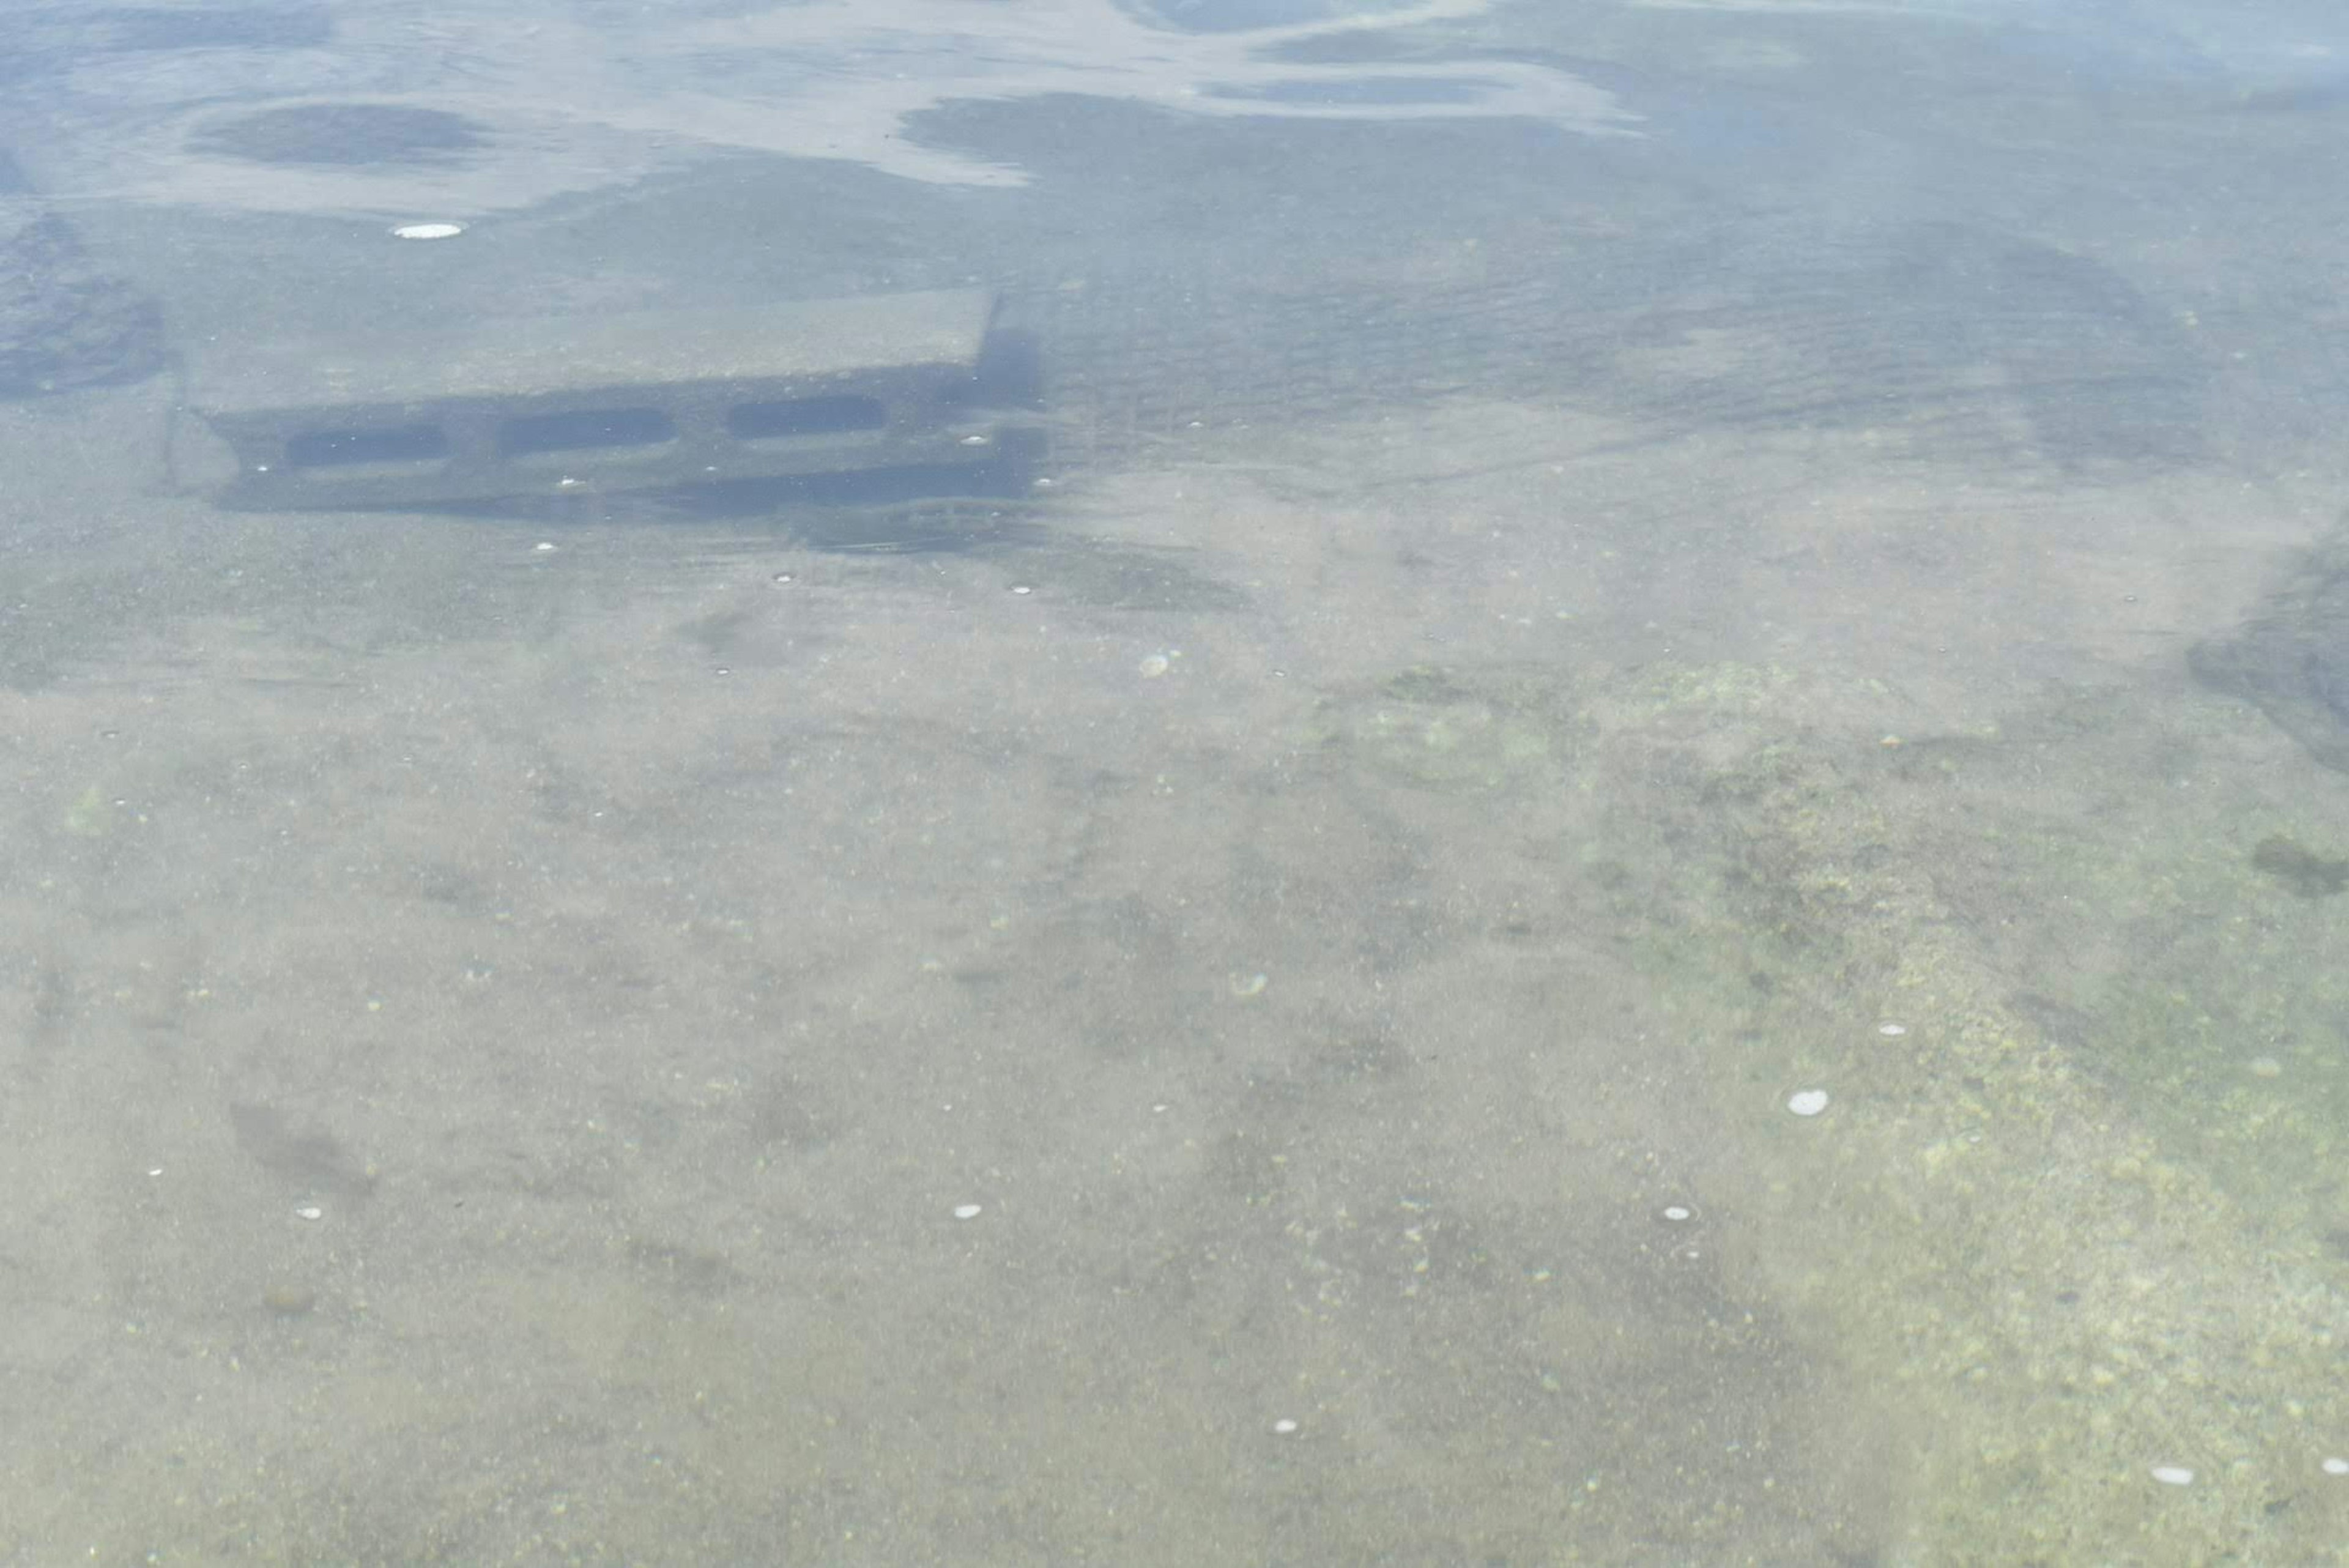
(1808, 1102)
(1284, 1426)
(428, 231)
(2173, 1475)
(967, 1211)
(309, 1212)
(1892, 1030)
(2334, 1465)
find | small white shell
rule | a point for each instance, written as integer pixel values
(428, 231)
(966, 1211)
(2173, 1475)
(1808, 1102)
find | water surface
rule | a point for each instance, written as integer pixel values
(1598, 568)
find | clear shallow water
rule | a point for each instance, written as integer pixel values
(1604, 568)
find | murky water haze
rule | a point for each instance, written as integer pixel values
(1603, 576)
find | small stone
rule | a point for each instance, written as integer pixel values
(288, 1300)
(1152, 667)
(1892, 1030)
(1284, 1426)
(2173, 1475)
(2334, 1465)
(1808, 1102)
(967, 1211)
(309, 1212)
(1678, 1213)
(428, 231)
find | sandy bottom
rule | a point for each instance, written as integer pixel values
(498, 1043)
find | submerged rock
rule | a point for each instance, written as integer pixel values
(2300, 869)
(2291, 658)
(63, 322)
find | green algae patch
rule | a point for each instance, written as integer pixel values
(1435, 729)
(1726, 688)
(2049, 1214)
(91, 814)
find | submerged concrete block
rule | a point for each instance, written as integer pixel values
(882, 384)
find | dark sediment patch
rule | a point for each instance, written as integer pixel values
(2291, 658)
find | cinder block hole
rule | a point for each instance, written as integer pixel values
(804, 417)
(347, 448)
